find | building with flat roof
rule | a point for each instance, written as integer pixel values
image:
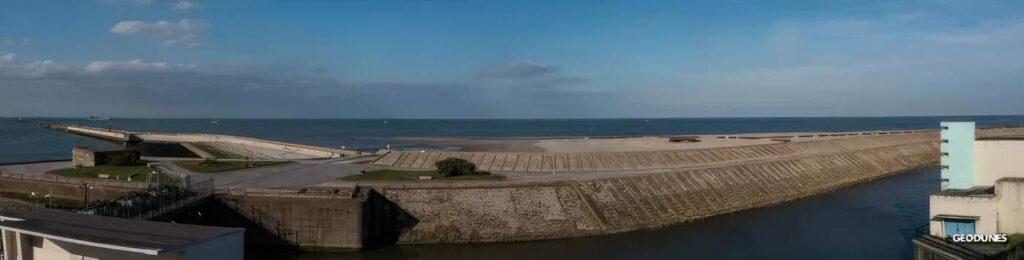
(982, 193)
(58, 235)
(87, 156)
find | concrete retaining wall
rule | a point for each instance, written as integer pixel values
(319, 220)
(66, 188)
(594, 207)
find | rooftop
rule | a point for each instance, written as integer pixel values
(102, 149)
(138, 236)
(977, 191)
(1000, 137)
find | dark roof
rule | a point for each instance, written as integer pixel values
(944, 216)
(1010, 179)
(975, 191)
(103, 149)
(140, 236)
(1000, 137)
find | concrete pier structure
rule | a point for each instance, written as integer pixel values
(244, 147)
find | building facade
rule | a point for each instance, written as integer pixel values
(982, 192)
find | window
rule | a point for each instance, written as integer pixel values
(945, 167)
(945, 154)
(945, 128)
(958, 226)
(945, 141)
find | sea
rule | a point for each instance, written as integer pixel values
(873, 220)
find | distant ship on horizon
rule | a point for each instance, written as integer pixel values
(99, 118)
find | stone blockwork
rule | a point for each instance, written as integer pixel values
(646, 160)
(558, 209)
(319, 219)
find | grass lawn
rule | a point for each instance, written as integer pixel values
(400, 175)
(223, 166)
(113, 172)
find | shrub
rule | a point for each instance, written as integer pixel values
(455, 167)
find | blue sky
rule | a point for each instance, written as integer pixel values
(509, 59)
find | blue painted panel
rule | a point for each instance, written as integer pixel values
(958, 155)
(956, 226)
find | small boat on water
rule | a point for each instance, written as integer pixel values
(99, 118)
(215, 122)
(22, 120)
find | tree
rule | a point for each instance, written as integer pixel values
(455, 167)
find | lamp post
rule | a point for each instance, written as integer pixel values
(87, 187)
(35, 199)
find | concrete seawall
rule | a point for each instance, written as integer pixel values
(304, 151)
(645, 160)
(560, 209)
(244, 141)
(617, 201)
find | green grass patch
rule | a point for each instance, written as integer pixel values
(223, 166)
(402, 175)
(113, 172)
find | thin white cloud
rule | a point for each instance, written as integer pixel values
(185, 32)
(133, 65)
(1007, 34)
(7, 58)
(129, 1)
(517, 69)
(186, 5)
(15, 42)
(10, 67)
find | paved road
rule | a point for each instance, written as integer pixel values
(35, 168)
(298, 174)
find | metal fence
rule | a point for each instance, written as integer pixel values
(74, 181)
(153, 201)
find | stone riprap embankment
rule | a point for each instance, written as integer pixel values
(644, 160)
(516, 211)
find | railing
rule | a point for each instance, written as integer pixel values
(154, 201)
(924, 235)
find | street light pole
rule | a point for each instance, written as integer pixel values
(87, 187)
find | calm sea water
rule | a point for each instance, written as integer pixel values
(868, 221)
(27, 142)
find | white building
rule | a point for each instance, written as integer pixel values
(983, 183)
(982, 193)
(57, 235)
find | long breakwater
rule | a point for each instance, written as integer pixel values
(462, 213)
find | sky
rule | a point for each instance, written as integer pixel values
(509, 59)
